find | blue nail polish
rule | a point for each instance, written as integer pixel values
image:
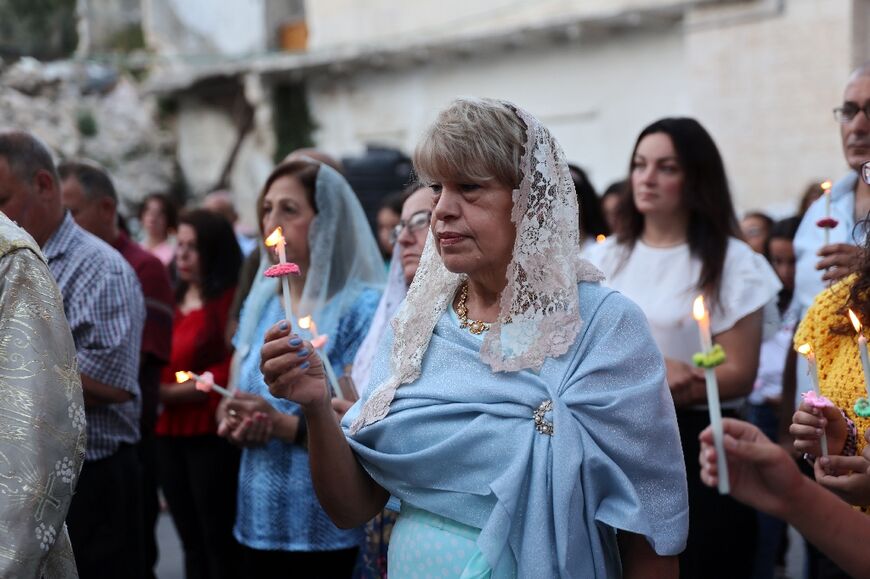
(305, 364)
(282, 326)
(295, 342)
(302, 353)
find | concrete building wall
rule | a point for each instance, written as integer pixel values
(763, 79)
(348, 22)
(595, 99)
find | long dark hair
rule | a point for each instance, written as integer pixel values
(705, 195)
(220, 258)
(592, 221)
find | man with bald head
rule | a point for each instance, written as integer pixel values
(103, 304)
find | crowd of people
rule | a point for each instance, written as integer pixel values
(499, 380)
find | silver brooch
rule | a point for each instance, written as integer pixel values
(541, 424)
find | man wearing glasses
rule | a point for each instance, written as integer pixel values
(819, 265)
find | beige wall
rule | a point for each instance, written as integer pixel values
(764, 83)
(595, 98)
(351, 22)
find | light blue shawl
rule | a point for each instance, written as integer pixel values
(460, 441)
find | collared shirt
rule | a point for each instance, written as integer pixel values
(807, 242)
(103, 303)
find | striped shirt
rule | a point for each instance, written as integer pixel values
(103, 303)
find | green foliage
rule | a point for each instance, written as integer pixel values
(45, 29)
(127, 40)
(293, 123)
(86, 123)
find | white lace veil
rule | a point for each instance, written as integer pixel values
(539, 315)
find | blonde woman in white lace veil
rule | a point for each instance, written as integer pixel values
(518, 410)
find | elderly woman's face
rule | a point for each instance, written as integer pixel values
(286, 204)
(472, 225)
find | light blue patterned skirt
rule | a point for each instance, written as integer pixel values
(426, 545)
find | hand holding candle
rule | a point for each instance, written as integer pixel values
(204, 382)
(699, 312)
(816, 400)
(862, 405)
(319, 342)
(282, 270)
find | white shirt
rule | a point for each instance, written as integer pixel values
(664, 283)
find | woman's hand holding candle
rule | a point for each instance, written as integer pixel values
(814, 398)
(293, 371)
(810, 423)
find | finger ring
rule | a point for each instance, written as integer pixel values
(232, 412)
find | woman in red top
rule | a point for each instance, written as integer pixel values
(198, 469)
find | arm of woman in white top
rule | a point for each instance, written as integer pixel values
(345, 490)
(742, 344)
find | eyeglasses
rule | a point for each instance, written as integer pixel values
(865, 172)
(847, 112)
(418, 221)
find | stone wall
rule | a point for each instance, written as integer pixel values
(91, 111)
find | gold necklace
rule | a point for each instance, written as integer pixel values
(476, 327)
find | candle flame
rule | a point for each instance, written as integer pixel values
(305, 322)
(182, 377)
(600, 238)
(826, 186)
(275, 237)
(805, 349)
(855, 321)
(699, 312)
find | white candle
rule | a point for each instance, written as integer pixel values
(308, 323)
(865, 362)
(826, 187)
(862, 351)
(700, 314)
(276, 239)
(182, 377)
(807, 351)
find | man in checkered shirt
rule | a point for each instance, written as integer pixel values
(103, 303)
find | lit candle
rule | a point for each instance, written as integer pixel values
(826, 188)
(862, 350)
(807, 351)
(319, 343)
(600, 238)
(276, 239)
(699, 312)
(203, 383)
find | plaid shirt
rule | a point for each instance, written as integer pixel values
(103, 303)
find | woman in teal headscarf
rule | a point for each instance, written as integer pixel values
(279, 520)
(518, 410)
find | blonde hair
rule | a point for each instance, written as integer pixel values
(472, 139)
